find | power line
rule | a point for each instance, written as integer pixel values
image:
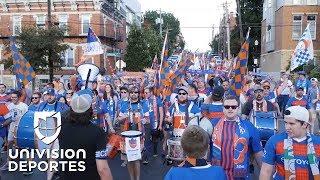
(253, 25)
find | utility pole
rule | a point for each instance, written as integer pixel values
(227, 20)
(50, 60)
(240, 21)
(159, 21)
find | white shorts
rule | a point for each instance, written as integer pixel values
(11, 131)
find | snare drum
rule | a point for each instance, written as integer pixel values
(178, 124)
(175, 151)
(135, 139)
(24, 133)
(266, 123)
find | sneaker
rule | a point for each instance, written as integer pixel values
(27, 173)
(145, 162)
(124, 164)
(169, 162)
(5, 167)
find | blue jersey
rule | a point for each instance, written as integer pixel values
(150, 107)
(293, 101)
(200, 172)
(274, 155)
(33, 107)
(56, 106)
(109, 106)
(195, 110)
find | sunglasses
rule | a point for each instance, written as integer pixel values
(135, 92)
(182, 93)
(123, 92)
(35, 98)
(69, 93)
(258, 91)
(232, 107)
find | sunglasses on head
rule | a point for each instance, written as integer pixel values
(232, 107)
(258, 91)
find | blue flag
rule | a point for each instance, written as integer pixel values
(21, 67)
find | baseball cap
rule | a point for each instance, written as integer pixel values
(299, 88)
(314, 79)
(183, 88)
(217, 92)
(257, 87)
(297, 112)
(81, 101)
(51, 91)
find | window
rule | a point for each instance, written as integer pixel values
(311, 19)
(41, 21)
(68, 57)
(16, 23)
(0, 52)
(63, 22)
(311, 2)
(296, 27)
(298, 2)
(85, 23)
(268, 33)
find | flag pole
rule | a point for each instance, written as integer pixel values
(163, 50)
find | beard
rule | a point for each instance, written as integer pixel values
(182, 101)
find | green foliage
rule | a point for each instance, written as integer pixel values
(169, 22)
(34, 45)
(154, 42)
(251, 12)
(214, 45)
(137, 56)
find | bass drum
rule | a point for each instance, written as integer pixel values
(24, 133)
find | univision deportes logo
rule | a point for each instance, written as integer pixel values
(50, 158)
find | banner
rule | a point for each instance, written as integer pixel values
(304, 50)
(93, 45)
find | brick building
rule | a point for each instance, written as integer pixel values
(106, 17)
(283, 23)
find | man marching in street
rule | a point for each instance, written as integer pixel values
(153, 124)
(257, 104)
(131, 117)
(78, 133)
(295, 153)
(234, 140)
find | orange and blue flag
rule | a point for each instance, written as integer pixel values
(240, 68)
(22, 68)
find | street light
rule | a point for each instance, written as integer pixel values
(255, 60)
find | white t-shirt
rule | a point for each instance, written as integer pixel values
(204, 124)
(286, 90)
(17, 111)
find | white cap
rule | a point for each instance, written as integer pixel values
(297, 112)
(81, 101)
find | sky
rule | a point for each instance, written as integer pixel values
(196, 18)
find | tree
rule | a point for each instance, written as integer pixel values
(34, 45)
(169, 22)
(154, 42)
(251, 12)
(214, 44)
(137, 55)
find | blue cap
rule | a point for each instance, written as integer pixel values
(51, 92)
